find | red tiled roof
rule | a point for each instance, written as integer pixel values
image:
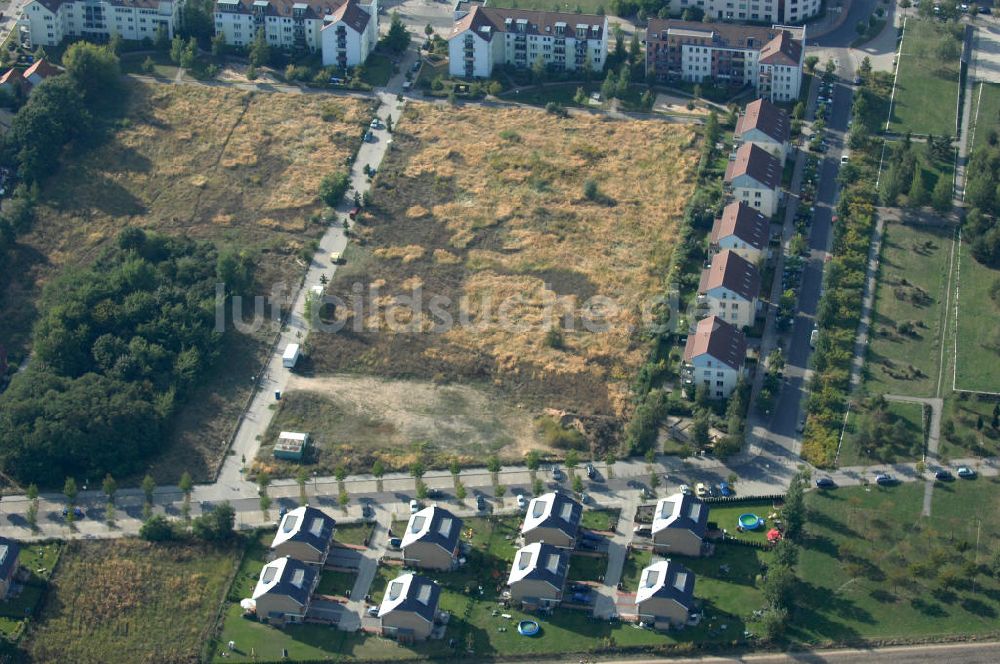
(731, 271)
(756, 162)
(9, 76)
(352, 15)
(42, 68)
(744, 222)
(717, 338)
(782, 50)
(765, 117)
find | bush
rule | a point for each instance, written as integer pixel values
(157, 529)
(333, 187)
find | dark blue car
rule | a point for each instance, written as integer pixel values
(825, 483)
(724, 489)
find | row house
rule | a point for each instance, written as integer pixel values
(766, 126)
(753, 176)
(49, 22)
(768, 59)
(729, 289)
(346, 32)
(484, 37)
(759, 11)
(714, 357)
(742, 230)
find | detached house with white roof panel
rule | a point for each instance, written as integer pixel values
(665, 596)
(679, 525)
(553, 518)
(538, 575)
(304, 533)
(431, 539)
(284, 590)
(409, 608)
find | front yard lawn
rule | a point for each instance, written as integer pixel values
(335, 583)
(354, 533)
(587, 568)
(601, 520)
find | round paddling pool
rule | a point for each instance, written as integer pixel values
(750, 521)
(527, 628)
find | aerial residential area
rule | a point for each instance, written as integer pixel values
(499, 330)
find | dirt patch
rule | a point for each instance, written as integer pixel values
(357, 419)
(489, 210)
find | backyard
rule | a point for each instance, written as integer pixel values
(926, 95)
(209, 163)
(978, 352)
(40, 560)
(873, 568)
(986, 113)
(905, 347)
(538, 250)
(131, 601)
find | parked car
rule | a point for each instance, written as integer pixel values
(885, 479)
(825, 483)
(480, 503)
(77, 513)
(434, 493)
(416, 65)
(591, 471)
(557, 475)
(373, 611)
(966, 473)
(353, 214)
(643, 530)
(944, 476)
(414, 507)
(685, 489)
(581, 598)
(522, 502)
(701, 490)
(395, 542)
(725, 489)
(375, 123)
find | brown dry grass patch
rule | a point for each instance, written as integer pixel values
(488, 205)
(207, 162)
(131, 601)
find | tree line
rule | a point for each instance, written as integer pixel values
(982, 194)
(117, 347)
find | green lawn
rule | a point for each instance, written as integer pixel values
(377, 70)
(354, 533)
(960, 433)
(873, 568)
(986, 112)
(904, 350)
(40, 560)
(587, 568)
(578, 6)
(163, 67)
(930, 169)
(603, 520)
(911, 415)
(926, 94)
(727, 516)
(978, 333)
(335, 583)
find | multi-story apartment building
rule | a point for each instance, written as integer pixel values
(729, 288)
(484, 37)
(753, 176)
(761, 11)
(765, 125)
(346, 31)
(740, 229)
(49, 22)
(768, 59)
(714, 357)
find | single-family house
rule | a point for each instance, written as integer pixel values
(538, 575)
(741, 229)
(679, 525)
(553, 518)
(21, 81)
(283, 592)
(9, 551)
(714, 355)
(431, 540)
(765, 125)
(754, 177)
(305, 533)
(409, 608)
(729, 288)
(665, 596)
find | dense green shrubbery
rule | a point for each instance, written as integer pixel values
(982, 193)
(117, 345)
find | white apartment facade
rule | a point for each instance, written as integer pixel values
(49, 22)
(484, 37)
(763, 11)
(729, 289)
(714, 357)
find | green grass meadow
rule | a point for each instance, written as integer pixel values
(926, 96)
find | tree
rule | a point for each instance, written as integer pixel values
(218, 45)
(699, 430)
(156, 529)
(260, 51)
(189, 56)
(647, 100)
(71, 491)
(831, 66)
(941, 198)
(773, 623)
(577, 484)
(609, 86)
(493, 465)
(779, 587)
(428, 30)
(417, 470)
(499, 491)
(378, 470)
(215, 525)
(148, 65)
(455, 469)
(572, 460)
(918, 193)
(635, 49)
(176, 49)
(799, 111)
(810, 62)
(397, 39)
(624, 82)
(609, 463)
(110, 487)
(786, 553)
(532, 460)
(186, 485)
(538, 70)
(32, 513)
(794, 511)
(333, 187)
(95, 70)
(460, 492)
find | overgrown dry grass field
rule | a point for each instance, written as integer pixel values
(131, 601)
(210, 163)
(487, 207)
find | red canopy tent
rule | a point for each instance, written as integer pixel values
(773, 535)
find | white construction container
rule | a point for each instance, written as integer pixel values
(290, 356)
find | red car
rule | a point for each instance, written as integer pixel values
(353, 213)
